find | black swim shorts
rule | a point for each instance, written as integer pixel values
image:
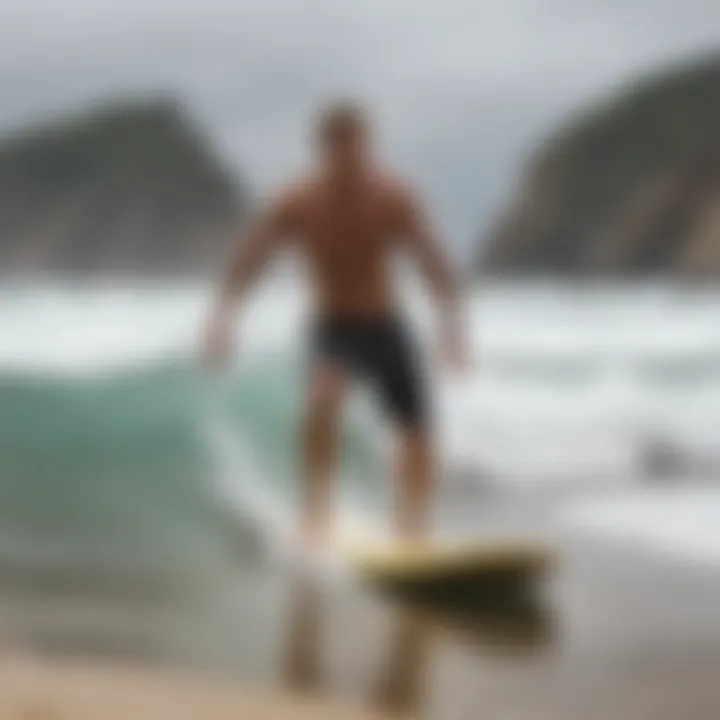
(382, 351)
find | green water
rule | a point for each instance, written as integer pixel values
(108, 484)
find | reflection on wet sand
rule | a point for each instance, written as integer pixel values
(301, 659)
(403, 673)
(397, 689)
(400, 684)
(525, 625)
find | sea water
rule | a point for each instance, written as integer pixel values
(128, 472)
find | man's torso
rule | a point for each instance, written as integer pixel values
(347, 238)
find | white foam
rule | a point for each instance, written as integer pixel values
(73, 331)
(680, 523)
(560, 386)
(81, 330)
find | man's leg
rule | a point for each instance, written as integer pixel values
(414, 482)
(328, 388)
(301, 666)
(395, 364)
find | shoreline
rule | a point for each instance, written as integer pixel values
(35, 687)
(632, 637)
(624, 632)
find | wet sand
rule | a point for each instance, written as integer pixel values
(636, 638)
(619, 633)
(33, 689)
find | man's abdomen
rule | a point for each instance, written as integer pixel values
(355, 294)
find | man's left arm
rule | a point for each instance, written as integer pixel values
(423, 242)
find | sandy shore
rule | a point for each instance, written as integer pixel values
(33, 689)
(636, 639)
(623, 634)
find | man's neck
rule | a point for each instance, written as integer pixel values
(347, 180)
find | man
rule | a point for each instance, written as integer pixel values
(347, 218)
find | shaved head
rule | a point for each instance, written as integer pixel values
(342, 121)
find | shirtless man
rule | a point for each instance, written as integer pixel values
(348, 218)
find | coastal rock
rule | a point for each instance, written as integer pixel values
(127, 188)
(629, 190)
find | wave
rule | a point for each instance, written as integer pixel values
(152, 478)
(108, 481)
(121, 461)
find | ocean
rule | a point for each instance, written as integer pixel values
(140, 493)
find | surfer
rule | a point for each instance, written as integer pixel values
(347, 218)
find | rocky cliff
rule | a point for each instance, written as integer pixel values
(128, 188)
(629, 190)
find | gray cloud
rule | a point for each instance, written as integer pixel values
(462, 88)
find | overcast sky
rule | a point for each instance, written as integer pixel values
(463, 89)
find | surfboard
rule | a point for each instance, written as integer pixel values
(482, 568)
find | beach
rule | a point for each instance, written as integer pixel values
(145, 509)
(360, 360)
(619, 632)
(35, 689)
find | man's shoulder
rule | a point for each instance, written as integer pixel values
(290, 199)
(397, 190)
(295, 191)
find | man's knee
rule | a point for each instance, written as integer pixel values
(417, 450)
(416, 436)
(328, 390)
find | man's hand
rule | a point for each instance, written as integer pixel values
(217, 343)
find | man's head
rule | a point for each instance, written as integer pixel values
(343, 136)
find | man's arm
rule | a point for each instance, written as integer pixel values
(267, 232)
(423, 242)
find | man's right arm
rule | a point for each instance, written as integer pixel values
(267, 232)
